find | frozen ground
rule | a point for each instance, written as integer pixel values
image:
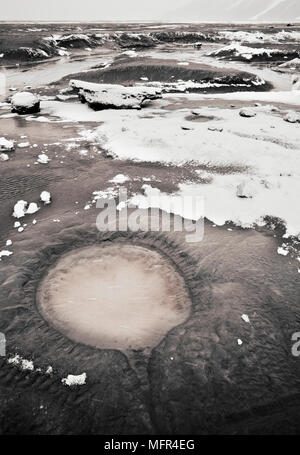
(224, 130)
(263, 150)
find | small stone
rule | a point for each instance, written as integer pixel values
(25, 103)
(245, 318)
(292, 117)
(6, 145)
(247, 112)
(45, 197)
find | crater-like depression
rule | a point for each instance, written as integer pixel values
(115, 296)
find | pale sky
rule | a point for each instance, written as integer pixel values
(85, 10)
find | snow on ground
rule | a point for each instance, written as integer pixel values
(24, 99)
(43, 158)
(178, 204)
(23, 144)
(114, 95)
(24, 364)
(260, 156)
(222, 204)
(66, 112)
(45, 197)
(20, 209)
(5, 145)
(286, 97)
(282, 251)
(296, 83)
(27, 365)
(170, 138)
(265, 149)
(5, 253)
(119, 179)
(248, 53)
(32, 208)
(260, 37)
(108, 193)
(4, 157)
(292, 117)
(184, 86)
(130, 53)
(245, 318)
(72, 380)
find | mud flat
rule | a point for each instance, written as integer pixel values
(125, 332)
(200, 360)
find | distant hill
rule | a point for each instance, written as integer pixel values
(238, 10)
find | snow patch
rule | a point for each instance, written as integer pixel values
(5, 145)
(45, 197)
(5, 253)
(20, 209)
(43, 158)
(119, 179)
(23, 144)
(25, 102)
(73, 380)
(238, 51)
(4, 157)
(282, 251)
(24, 364)
(32, 208)
(245, 318)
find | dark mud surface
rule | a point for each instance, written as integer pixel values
(197, 380)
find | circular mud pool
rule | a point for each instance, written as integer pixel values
(114, 296)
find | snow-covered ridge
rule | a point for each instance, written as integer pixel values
(101, 96)
(256, 37)
(27, 53)
(240, 52)
(75, 40)
(60, 44)
(216, 83)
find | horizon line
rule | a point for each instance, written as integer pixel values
(297, 21)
